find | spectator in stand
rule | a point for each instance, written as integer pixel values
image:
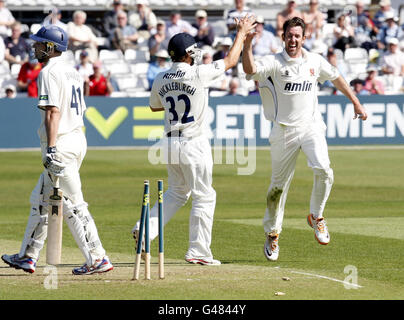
(110, 19)
(17, 48)
(371, 84)
(205, 35)
(385, 10)
(6, 20)
(238, 12)
(344, 34)
(264, 42)
(54, 17)
(177, 25)
(85, 67)
(125, 36)
(288, 13)
(10, 91)
(234, 86)
(80, 36)
(393, 60)
(158, 66)
(365, 30)
(390, 29)
(358, 87)
(362, 15)
(314, 20)
(159, 40)
(2, 50)
(362, 19)
(223, 48)
(27, 77)
(98, 85)
(144, 19)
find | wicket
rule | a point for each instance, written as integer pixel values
(161, 229)
(144, 229)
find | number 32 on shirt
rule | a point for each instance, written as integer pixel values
(173, 103)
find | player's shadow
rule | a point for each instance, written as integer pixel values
(22, 274)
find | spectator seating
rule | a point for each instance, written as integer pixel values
(357, 60)
(129, 68)
(392, 84)
(15, 70)
(6, 78)
(185, 4)
(328, 33)
(137, 56)
(112, 55)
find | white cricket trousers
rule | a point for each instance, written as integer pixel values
(286, 143)
(72, 147)
(189, 167)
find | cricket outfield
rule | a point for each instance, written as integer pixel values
(365, 215)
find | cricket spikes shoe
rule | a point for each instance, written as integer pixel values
(320, 229)
(271, 247)
(100, 266)
(25, 263)
(205, 262)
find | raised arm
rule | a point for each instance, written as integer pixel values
(248, 58)
(244, 27)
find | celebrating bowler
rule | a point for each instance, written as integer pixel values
(288, 87)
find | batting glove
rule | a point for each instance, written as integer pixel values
(53, 162)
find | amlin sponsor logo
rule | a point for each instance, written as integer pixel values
(299, 87)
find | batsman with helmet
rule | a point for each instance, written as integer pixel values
(63, 145)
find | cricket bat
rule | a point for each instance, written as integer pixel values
(55, 225)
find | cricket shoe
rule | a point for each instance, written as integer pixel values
(271, 247)
(205, 262)
(320, 229)
(25, 263)
(99, 266)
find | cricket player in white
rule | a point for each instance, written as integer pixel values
(288, 88)
(63, 146)
(182, 93)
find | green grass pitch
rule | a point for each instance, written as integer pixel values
(365, 215)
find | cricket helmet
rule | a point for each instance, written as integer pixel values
(53, 36)
(181, 44)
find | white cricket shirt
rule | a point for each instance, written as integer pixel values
(60, 85)
(182, 91)
(288, 86)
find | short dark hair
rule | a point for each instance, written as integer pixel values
(294, 22)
